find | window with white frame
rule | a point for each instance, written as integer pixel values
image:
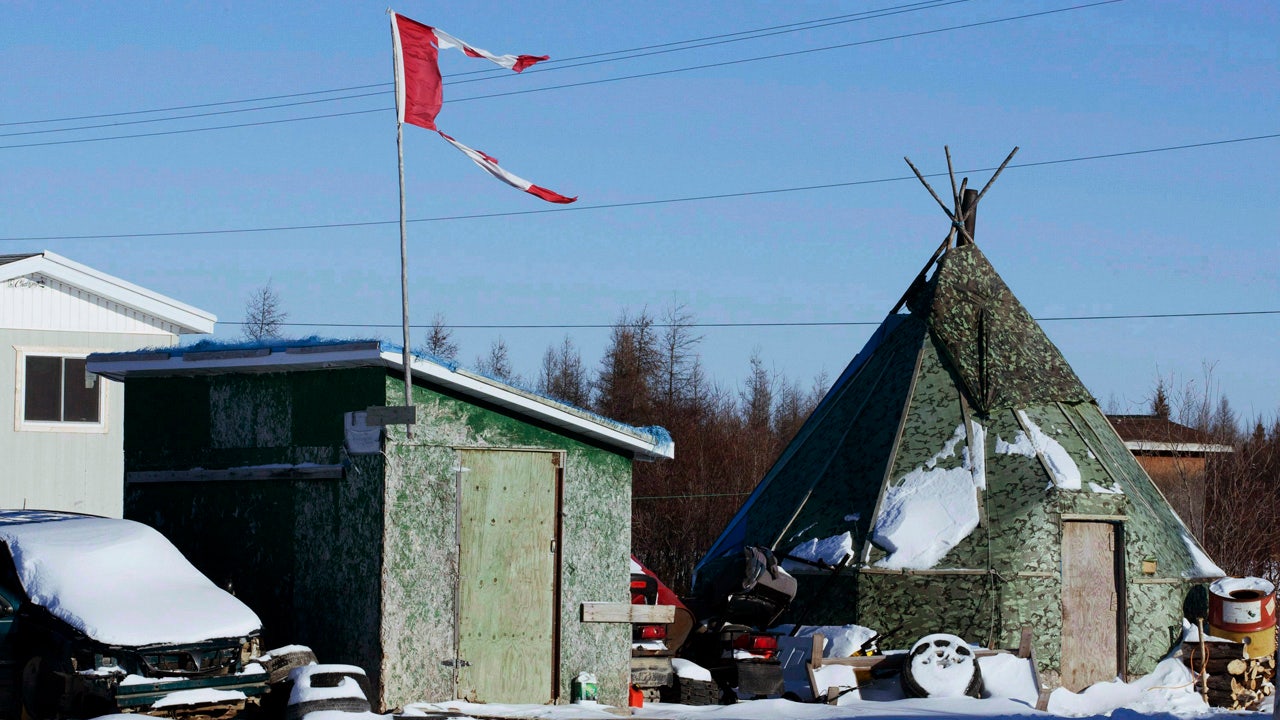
(57, 389)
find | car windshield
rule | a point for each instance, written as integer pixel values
(121, 582)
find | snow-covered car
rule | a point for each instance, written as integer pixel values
(100, 615)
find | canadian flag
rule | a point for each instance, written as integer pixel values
(419, 89)
(490, 165)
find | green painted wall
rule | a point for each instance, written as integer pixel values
(297, 551)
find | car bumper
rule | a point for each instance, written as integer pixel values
(143, 695)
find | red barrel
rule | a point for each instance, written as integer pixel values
(1242, 605)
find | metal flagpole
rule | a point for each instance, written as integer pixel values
(404, 281)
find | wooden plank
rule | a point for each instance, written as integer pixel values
(1090, 628)
(506, 580)
(390, 415)
(261, 472)
(905, 571)
(1024, 643)
(608, 612)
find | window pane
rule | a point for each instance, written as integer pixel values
(43, 388)
(79, 403)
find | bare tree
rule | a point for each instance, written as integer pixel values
(563, 376)
(679, 371)
(439, 342)
(497, 364)
(263, 316)
(624, 385)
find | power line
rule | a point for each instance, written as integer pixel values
(714, 40)
(191, 107)
(193, 115)
(585, 83)
(608, 326)
(636, 203)
(557, 64)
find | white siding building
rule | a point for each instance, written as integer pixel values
(63, 447)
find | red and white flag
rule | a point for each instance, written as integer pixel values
(490, 165)
(419, 88)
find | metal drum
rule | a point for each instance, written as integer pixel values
(1244, 610)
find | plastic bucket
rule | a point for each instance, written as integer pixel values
(1242, 605)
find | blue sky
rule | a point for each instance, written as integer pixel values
(1183, 231)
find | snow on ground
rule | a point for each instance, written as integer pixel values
(1165, 694)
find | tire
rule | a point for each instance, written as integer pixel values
(940, 653)
(692, 692)
(352, 705)
(40, 696)
(318, 677)
(278, 666)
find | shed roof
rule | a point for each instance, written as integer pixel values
(211, 358)
(1152, 433)
(186, 318)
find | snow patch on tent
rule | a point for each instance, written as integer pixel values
(1065, 474)
(1201, 564)
(832, 551)
(929, 511)
(975, 455)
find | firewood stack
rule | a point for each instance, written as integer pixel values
(1227, 677)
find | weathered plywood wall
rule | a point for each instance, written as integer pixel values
(421, 558)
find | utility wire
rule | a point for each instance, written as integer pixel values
(585, 83)
(634, 54)
(193, 115)
(557, 63)
(608, 326)
(636, 203)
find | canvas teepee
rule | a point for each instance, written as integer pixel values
(959, 478)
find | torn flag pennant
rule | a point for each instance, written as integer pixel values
(490, 165)
(420, 95)
(418, 83)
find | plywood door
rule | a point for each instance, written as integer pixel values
(507, 524)
(1090, 601)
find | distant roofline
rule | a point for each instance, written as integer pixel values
(208, 358)
(1159, 434)
(1152, 446)
(188, 319)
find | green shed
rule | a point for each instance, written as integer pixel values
(959, 478)
(454, 562)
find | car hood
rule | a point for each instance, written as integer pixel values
(121, 583)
